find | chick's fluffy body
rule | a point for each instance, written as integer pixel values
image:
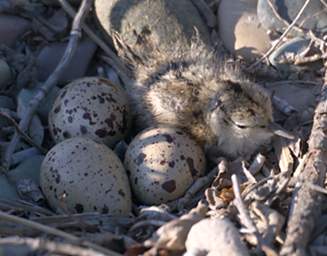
(193, 90)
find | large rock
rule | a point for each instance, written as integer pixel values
(240, 29)
(314, 16)
(166, 23)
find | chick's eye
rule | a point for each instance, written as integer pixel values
(241, 126)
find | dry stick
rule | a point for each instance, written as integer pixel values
(25, 136)
(298, 16)
(40, 244)
(244, 215)
(49, 230)
(75, 35)
(271, 5)
(306, 203)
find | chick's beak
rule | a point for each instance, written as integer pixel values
(279, 131)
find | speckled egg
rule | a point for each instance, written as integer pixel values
(79, 175)
(162, 163)
(91, 107)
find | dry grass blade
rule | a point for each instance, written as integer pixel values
(49, 230)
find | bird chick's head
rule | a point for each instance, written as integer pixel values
(240, 117)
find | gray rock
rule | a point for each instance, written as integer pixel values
(28, 169)
(7, 191)
(240, 30)
(280, 58)
(11, 28)
(49, 57)
(7, 102)
(167, 24)
(5, 74)
(59, 25)
(22, 155)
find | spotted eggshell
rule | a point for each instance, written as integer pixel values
(80, 175)
(91, 107)
(162, 163)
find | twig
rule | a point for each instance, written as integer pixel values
(257, 164)
(249, 176)
(116, 63)
(266, 55)
(306, 204)
(52, 80)
(24, 135)
(244, 215)
(49, 230)
(271, 5)
(39, 244)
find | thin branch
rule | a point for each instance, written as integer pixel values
(24, 135)
(244, 215)
(271, 5)
(49, 230)
(52, 80)
(296, 19)
(39, 244)
(306, 204)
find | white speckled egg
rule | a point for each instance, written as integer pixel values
(80, 175)
(162, 163)
(91, 107)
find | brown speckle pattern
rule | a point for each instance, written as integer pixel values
(91, 107)
(90, 176)
(163, 162)
(169, 186)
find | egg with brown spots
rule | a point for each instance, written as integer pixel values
(162, 163)
(91, 107)
(79, 175)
